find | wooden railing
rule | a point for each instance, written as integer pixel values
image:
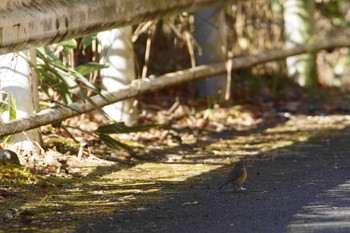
(45, 22)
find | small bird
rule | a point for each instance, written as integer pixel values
(237, 176)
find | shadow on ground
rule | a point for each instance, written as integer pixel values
(295, 174)
(302, 188)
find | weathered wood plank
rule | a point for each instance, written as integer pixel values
(33, 23)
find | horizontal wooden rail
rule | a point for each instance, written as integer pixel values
(50, 116)
(44, 22)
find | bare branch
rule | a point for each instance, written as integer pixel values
(50, 116)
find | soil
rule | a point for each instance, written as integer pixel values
(304, 188)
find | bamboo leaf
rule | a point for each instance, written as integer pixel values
(89, 68)
(114, 143)
(68, 45)
(120, 127)
(87, 40)
(84, 80)
(12, 108)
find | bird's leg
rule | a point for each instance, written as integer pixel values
(234, 186)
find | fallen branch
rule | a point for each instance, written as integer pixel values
(137, 87)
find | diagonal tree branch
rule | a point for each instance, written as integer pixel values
(50, 116)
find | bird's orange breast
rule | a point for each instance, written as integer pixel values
(242, 177)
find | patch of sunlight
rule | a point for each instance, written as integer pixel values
(123, 191)
(237, 152)
(160, 172)
(256, 143)
(302, 138)
(296, 130)
(281, 144)
(330, 212)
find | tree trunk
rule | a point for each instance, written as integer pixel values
(211, 36)
(299, 29)
(116, 50)
(16, 81)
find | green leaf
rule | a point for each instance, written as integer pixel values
(114, 143)
(12, 108)
(68, 45)
(60, 84)
(8, 104)
(87, 40)
(84, 80)
(72, 44)
(89, 68)
(50, 58)
(120, 127)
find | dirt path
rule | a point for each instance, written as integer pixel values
(303, 189)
